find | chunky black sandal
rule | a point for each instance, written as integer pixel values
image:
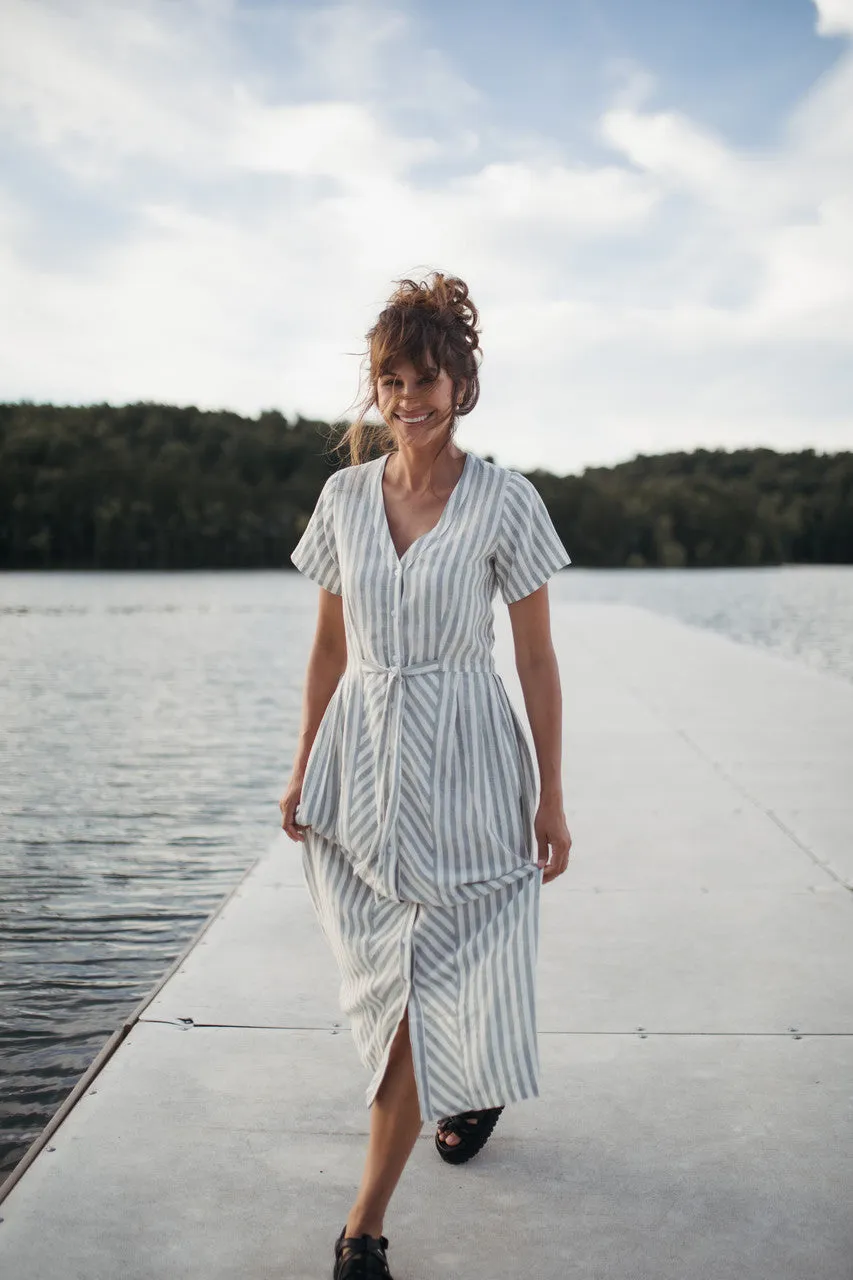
(360, 1258)
(472, 1137)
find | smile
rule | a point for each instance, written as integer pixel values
(411, 422)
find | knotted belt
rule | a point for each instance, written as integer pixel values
(389, 761)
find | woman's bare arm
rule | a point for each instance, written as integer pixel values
(539, 676)
(326, 663)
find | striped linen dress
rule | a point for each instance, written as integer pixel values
(419, 791)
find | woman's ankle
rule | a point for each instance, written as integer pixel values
(363, 1223)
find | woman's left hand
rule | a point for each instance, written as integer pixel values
(551, 831)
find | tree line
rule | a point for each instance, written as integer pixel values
(152, 486)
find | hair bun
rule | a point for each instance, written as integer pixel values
(445, 298)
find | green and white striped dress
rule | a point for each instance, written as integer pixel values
(420, 790)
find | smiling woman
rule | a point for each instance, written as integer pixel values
(415, 794)
(416, 400)
(422, 365)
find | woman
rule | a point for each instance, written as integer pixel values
(413, 789)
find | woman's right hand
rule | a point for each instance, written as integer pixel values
(288, 805)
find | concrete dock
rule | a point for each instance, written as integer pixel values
(696, 1019)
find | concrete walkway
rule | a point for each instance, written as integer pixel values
(696, 1016)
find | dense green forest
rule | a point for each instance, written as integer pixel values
(149, 486)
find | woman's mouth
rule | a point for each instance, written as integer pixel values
(413, 420)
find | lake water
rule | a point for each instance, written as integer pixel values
(147, 724)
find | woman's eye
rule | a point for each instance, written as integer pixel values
(388, 384)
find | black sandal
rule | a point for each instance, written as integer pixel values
(472, 1137)
(360, 1258)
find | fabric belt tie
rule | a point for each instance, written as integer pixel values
(389, 762)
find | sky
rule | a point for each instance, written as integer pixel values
(208, 202)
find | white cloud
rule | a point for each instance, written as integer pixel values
(572, 198)
(670, 147)
(95, 87)
(834, 17)
(340, 140)
(369, 51)
(275, 177)
(785, 212)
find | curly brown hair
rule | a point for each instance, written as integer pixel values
(434, 324)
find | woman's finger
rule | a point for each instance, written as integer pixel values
(559, 860)
(289, 824)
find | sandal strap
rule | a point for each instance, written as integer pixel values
(456, 1124)
(460, 1124)
(361, 1258)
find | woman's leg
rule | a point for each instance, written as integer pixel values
(395, 1122)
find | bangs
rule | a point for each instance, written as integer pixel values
(423, 361)
(409, 339)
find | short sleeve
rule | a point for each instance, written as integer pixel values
(528, 550)
(316, 553)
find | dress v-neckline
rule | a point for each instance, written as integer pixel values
(440, 522)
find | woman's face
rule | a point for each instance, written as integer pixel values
(415, 405)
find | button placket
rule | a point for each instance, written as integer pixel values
(397, 652)
(394, 697)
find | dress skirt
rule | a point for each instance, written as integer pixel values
(465, 973)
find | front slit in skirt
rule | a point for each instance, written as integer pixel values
(465, 972)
